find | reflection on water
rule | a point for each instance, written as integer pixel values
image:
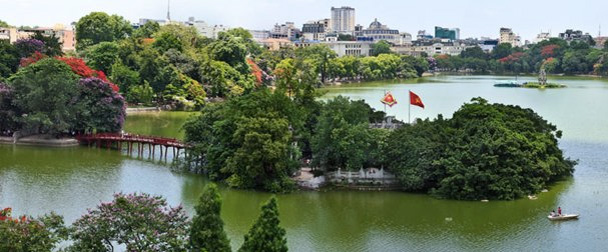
(37, 180)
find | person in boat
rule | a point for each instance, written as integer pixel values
(559, 211)
(552, 213)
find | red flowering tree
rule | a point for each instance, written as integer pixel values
(78, 66)
(30, 234)
(548, 51)
(35, 57)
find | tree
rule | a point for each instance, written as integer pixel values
(474, 52)
(140, 94)
(266, 234)
(319, 56)
(52, 46)
(247, 140)
(32, 86)
(8, 111)
(420, 64)
(207, 229)
(342, 136)
(146, 30)
(124, 77)
(9, 59)
(231, 50)
(98, 27)
(98, 107)
(380, 47)
(27, 234)
(102, 56)
(4, 24)
(485, 151)
(502, 50)
(139, 221)
(166, 40)
(27, 47)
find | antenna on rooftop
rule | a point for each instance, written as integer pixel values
(168, 10)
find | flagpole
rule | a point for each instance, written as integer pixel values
(384, 104)
(409, 107)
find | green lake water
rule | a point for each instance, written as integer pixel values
(37, 180)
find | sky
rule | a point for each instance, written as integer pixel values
(475, 18)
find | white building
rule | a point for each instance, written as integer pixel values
(509, 37)
(405, 39)
(350, 48)
(343, 20)
(377, 32)
(209, 31)
(437, 48)
(260, 35)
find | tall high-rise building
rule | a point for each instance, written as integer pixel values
(343, 19)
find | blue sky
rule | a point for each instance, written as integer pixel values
(475, 18)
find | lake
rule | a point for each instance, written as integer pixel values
(36, 180)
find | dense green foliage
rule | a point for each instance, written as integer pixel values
(48, 97)
(139, 222)
(32, 86)
(247, 140)
(28, 234)
(342, 137)
(100, 27)
(207, 228)
(485, 151)
(555, 55)
(266, 234)
(9, 59)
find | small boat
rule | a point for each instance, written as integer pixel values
(563, 217)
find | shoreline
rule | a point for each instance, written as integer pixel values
(37, 140)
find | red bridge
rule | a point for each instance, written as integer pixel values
(116, 140)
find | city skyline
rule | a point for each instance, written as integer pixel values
(525, 18)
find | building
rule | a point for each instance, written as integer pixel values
(377, 32)
(143, 21)
(445, 33)
(575, 35)
(202, 28)
(65, 36)
(350, 48)
(542, 36)
(287, 31)
(259, 35)
(405, 39)
(9, 34)
(431, 48)
(315, 30)
(343, 20)
(422, 35)
(488, 45)
(509, 37)
(274, 44)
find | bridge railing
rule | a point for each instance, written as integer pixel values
(133, 138)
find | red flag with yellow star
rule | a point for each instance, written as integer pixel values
(388, 99)
(415, 100)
